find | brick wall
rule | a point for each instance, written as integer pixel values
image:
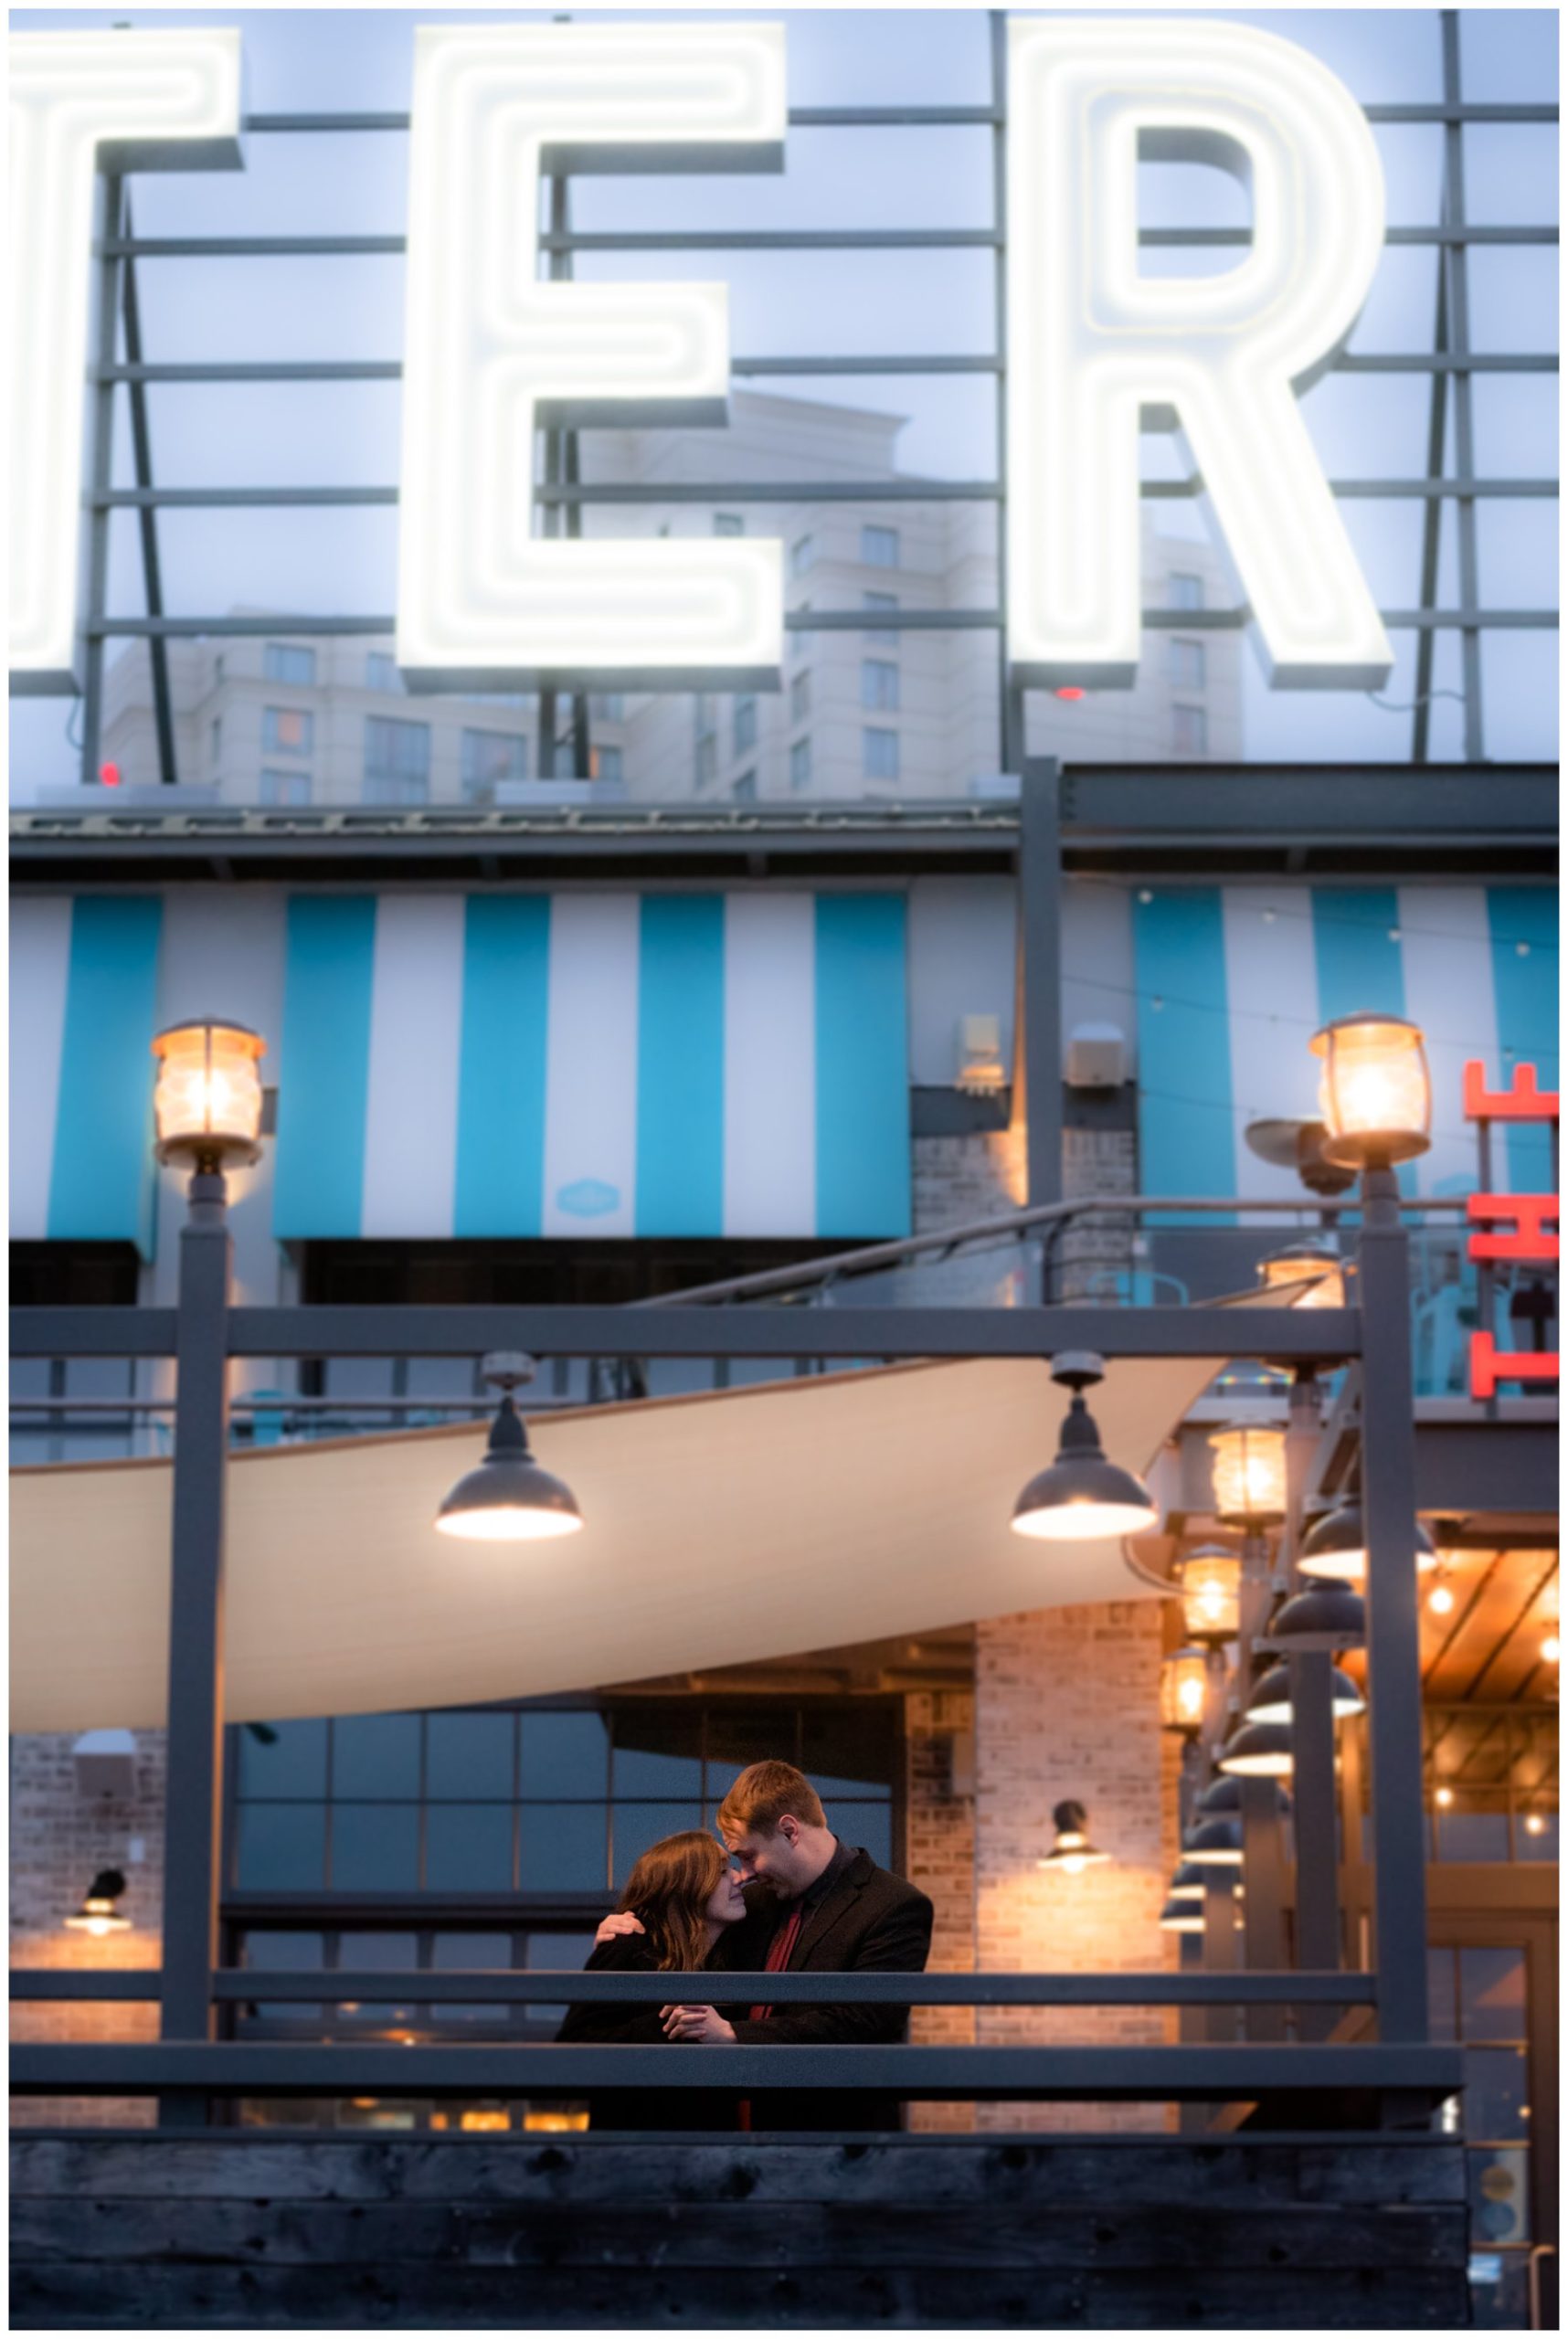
(960, 1177)
(59, 1840)
(1066, 1706)
(940, 1829)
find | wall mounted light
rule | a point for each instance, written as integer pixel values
(1249, 1474)
(1082, 1497)
(1337, 1546)
(207, 1105)
(98, 1913)
(1072, 1852)
(1376, 1091)
(1209, 1580)
(508, 1499)
(1183, 1690)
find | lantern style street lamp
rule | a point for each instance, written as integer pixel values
(1072, 1852)
(1082, 1497)
(207, 1105)
(1376, 1091)
(508, 1499)
(1337, 1547)
(1183, 1690)
(1249, 1474)
(98, 1913)
(1209, 1580)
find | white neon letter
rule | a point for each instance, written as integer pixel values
(490, 353)
(1096, 346)
(82, 102)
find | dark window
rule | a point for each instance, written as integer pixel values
(396, 760)
(74, 1275)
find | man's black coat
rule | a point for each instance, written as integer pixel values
(869, 1921)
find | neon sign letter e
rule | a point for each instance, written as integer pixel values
(80, 102)
(1098, 348)
(491, 353)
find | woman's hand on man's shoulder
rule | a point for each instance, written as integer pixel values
(618, 1923)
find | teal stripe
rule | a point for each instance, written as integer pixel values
(325, 1073)
(501, 1079)
(1186, 1111)
(1360, 966)
(103, 1186)
(1525, 984)
(862, 1066)
(679, 1066)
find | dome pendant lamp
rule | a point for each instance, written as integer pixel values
(508, 1499)
(1082, 1497)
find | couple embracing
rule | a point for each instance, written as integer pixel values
(797, 1900)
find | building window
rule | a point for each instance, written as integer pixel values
(802, 552)
(745, 789)
(707, 760)
(396, 761)
(745, 724)
(608, 706)
(879, 755)
(729, 523)
(216, 741)
(879, 685)
(381, 672)
(799, 641)
(879, 547)
(286, 731)
(607, 764)
(1190, 730)
(881, 637)
(1187, 672)
(489, 757)
(800, 697)
(282, 661)
(285, 788)
(800, 764)
(1185, 592)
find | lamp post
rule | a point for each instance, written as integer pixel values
(207, 1109)
(1376, 1100)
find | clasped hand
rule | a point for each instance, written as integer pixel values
(703, 2024)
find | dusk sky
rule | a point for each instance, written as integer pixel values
(342, 561)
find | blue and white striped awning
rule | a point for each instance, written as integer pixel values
(84, 998)
(1264, 966)
(580, 1064)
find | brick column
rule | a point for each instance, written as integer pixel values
(940, 1830)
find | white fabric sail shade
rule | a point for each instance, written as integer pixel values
(747, 1524)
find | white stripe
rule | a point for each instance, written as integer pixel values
(1271, 984)
(770, 1063)
(1445, 946)
(40, 968)
(415, 1035)
(590, 1071)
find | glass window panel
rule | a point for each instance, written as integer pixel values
(879, 547)
(638, 1825)
(879, 685)
(468, 1847)
(375, 1754)
(264, 1953)
(563, 1848)
(879, 751)
(1535, 1835)
(745, 725)
(454, 1954)
(469, 1755)
(802, 552)
(745, 789)
(376, 1847)
(1497, 2091)
(1441, 1973)
(659, 1752)
(1473, 1835)
(491, 756)
(609, 764)
(1499, 2194)
(565, 1754)
(1185, 591)
(800, 697)
(1491, 1993)
(551, 1953)
(886, 637)
(867, 1825)
(282, 1758)
(285, 788)
(1189, 730)
(381, 672)
(282, 662)
(286, 730)
(1187, 665)
(376, 1952)
(739, 1735)
(280, 1847)
(848, 1750)
(800, 764)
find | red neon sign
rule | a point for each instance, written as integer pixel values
(1533, 1219)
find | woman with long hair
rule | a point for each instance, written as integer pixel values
(684, 1894)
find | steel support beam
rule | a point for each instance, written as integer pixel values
(1313, 1733)
(1455, 262)
(1393, 1658)
(99, 477)
(1038, 1046)
(147, 523)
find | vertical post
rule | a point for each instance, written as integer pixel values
(1393, 1656)
(1220, 1945)
(102, 479)
(192, 1802)
(558, 266)
(1040, 978)
(1456, 262)
(148, 521)
(1312, 1735)
(1010, 716)
(1263, 1912)
(1431, 521)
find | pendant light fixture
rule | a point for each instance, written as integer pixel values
(508, 1499)
(1257, 1750)
(1213, 1843)
(1072, 1852)
(1271, 1701)
(1327, 1615)
(1082, 1497)
(1337, 1546)
(98, 1913)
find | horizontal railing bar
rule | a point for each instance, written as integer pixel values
(94, 1331)
(906, 117)
(219, 628)
(1220, 2072)
(744, 239)
(879, 490)
(549, 1987)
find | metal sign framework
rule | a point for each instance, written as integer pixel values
(1451, 367)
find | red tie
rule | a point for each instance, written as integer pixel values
(778, 1950)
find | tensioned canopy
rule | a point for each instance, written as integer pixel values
(741, 1525)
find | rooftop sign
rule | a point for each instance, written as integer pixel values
(493, 353)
